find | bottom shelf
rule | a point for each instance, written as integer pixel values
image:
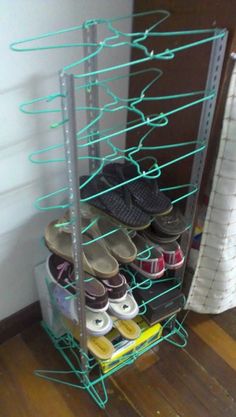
(93, 380)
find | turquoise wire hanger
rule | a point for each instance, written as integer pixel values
(168, 53)
(104, 85)
(120, 102)
(142, 35)
(130, 158)
(116, 150)
(149, 55)
(15, 45)
(162, 121)
(61, 146)
(150, 121)
(156, 170)
(159, 120)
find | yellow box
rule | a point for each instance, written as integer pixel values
(125, 348)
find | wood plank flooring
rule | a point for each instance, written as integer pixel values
(198, 381)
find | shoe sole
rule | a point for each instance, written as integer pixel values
(175, 266)
(146, 274)
(116, 221)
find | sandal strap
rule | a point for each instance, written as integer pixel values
(122, 191)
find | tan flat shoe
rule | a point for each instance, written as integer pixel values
(118, 243)
(97, 260)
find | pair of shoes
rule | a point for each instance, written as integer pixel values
(100, 296)
(115, 239)
(152, 262)
(166, 228)
(101, 257)
(100, 346)
(131, 205)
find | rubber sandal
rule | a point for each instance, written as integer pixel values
(126, 309)
(116, 204)
(152, 265)
(145, 192)
(61, 273)
(157, 237)
(128, 329)
(116, 288)
(97, 260)
(118, 243)
(173, 255)
(173, 223)
(99, 346)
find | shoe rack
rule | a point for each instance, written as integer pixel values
(81, 364)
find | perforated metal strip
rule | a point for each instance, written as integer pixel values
(68, 112)
(205, 124)
(91, 93)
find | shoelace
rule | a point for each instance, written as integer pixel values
(64, 267)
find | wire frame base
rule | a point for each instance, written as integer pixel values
(93, 380)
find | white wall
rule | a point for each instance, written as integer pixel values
(25, 76)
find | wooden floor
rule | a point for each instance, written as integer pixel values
(199, 381)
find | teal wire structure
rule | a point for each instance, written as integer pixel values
(62, 107)
(69, 348)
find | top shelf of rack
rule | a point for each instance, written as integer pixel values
(113, 37)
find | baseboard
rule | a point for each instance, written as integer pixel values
(19, 321)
